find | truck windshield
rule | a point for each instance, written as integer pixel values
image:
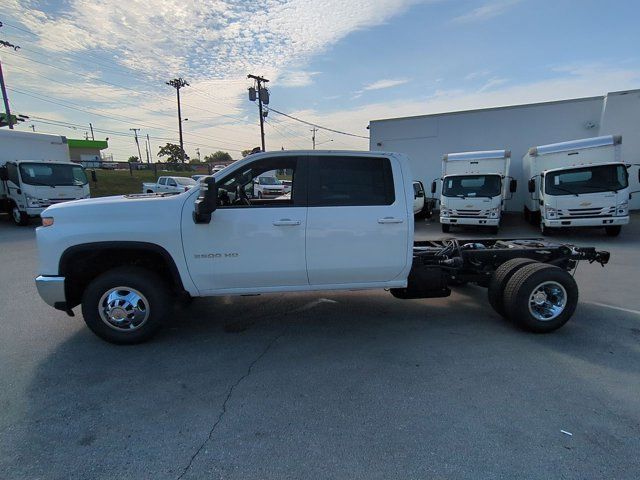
(269, 181)
(52, 174)
(574, 181)
(472, 186)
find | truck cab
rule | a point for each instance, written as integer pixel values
(474, 188)
(578, 184)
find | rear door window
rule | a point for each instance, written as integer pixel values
(350, 181)
(162, 181)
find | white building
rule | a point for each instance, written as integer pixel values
(427, 138)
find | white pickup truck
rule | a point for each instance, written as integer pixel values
(169, 185)
(348, 224)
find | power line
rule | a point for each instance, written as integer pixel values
(272, 125)
(316, 125)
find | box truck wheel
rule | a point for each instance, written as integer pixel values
(527, 214)
(544, 230)
(613, 230)
(494, 230)
(19, 218)
(499, 281)
(540, 298)
(446, 228)
(126, 305)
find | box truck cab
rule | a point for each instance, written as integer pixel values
(577, 184)
(35, 173)
(475, 186)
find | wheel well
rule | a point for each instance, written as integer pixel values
(81, 264)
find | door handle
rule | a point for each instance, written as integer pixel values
(285, 222)
(390, 220)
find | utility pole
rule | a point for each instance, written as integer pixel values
(91, 127)
(198, 152)
(179, 83)
(313, 136)
(3, 87)
(148, 149)
(135, 133)
(33, 127)
(260, 81)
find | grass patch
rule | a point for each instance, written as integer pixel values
(121, 182)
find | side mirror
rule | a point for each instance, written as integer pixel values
(433, 187)
(4, 174)
(531, 185)
(513, 185)
(207, 201)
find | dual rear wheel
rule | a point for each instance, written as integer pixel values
(537, 297)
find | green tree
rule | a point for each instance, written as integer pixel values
(195, 161)
(173, 151)
(133, 159)
(218, 157)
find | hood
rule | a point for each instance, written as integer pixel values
(140, 207)
(587, 200)
(59, 192)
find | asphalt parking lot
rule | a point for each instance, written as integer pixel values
(327, 385)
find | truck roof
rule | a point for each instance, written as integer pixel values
(479, 155)
(592, 142)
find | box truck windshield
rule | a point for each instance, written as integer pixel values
(472, 186)
(52, 174)
(594, 179)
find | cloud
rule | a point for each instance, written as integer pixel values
(492, 84)
(296, 78)
(488, 10)
(384, 83)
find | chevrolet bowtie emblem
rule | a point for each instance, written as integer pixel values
(585, 204)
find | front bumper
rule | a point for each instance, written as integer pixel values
(493, 222)
(51, 290)
(35, 211)
(586, 222)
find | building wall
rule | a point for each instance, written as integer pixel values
(76, 153)
(427, 138)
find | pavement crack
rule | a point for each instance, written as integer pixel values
(223, 411)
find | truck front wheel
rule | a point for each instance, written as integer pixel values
(446, 228)
(126, 305)
(540, 298)
(19, 218)
(613, 230)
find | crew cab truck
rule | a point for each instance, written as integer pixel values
(475, 186)
(579, 183)
(347, 225)
(36, 172)
(169, 185)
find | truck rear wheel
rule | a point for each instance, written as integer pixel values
(446, 228)
(499, 280)
(613, 230)
(126, 305)
(19, 218)
(540, 298)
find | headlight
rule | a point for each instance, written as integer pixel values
(445, 212)
(622, 208)
(494, 212)
(33, 202)
(550, 212)
(47, 221)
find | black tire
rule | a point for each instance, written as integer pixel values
(19, 217)
(153, 290)
(446, 228)
(544, 230)
(527, 215)
(149, 191)
(522, 286)
(259, 195)
(499, 280)
(613, 230)
(494, 230)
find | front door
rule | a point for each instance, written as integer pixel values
(357, 225)
(250, 244)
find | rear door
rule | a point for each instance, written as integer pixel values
(357, 225)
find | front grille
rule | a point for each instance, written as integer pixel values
(587, 212)
(467, 213)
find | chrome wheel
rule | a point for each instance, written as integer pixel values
(123, 309)
(547, 301)
(17, 217)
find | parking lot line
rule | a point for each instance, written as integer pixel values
(628, 310)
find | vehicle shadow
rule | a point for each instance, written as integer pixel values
(95, 410)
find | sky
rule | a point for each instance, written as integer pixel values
(334, 63)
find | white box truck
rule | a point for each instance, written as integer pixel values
(577, 184)
(35, 173)
(475, 186)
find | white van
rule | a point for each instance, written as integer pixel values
(577, 184)
(475, 186)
